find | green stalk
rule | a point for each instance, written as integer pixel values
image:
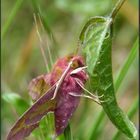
(132, 55)
(131, 113)
(67, 133)
(116, 8)
(11, 17)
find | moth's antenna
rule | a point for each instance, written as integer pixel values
(77, 51)
(48, 47)
(41, 45)
(59, 82)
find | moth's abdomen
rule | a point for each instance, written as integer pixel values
(63, 112)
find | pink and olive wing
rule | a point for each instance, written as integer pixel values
(30, 119)
(63, 112)
(38, 86)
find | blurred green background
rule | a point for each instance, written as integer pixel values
(22, 60)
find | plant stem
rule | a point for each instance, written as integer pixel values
(116, 9)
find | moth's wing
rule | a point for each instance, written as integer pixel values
(38, 86)
(30, 119)
(65, 108)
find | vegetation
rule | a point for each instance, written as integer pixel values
(63, 22)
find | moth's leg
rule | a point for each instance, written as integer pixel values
(56, 90)
(86, 96)
(61, 79)
(80, 84)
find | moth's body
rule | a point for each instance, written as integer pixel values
(66, 104)
(62, 81)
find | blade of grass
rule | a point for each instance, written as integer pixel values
(38, 11)
(132, 55)
(11, 17)
(131, 113)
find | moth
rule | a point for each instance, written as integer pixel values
(59, 92)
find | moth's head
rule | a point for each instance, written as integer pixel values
(75, 71)
(77, 61)
(78, 68)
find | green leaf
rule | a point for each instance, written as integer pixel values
(97, 49)
(15, 100)
(92, 37)
(131, 113)
(122, 73)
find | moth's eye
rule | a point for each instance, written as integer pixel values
(75, 64)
